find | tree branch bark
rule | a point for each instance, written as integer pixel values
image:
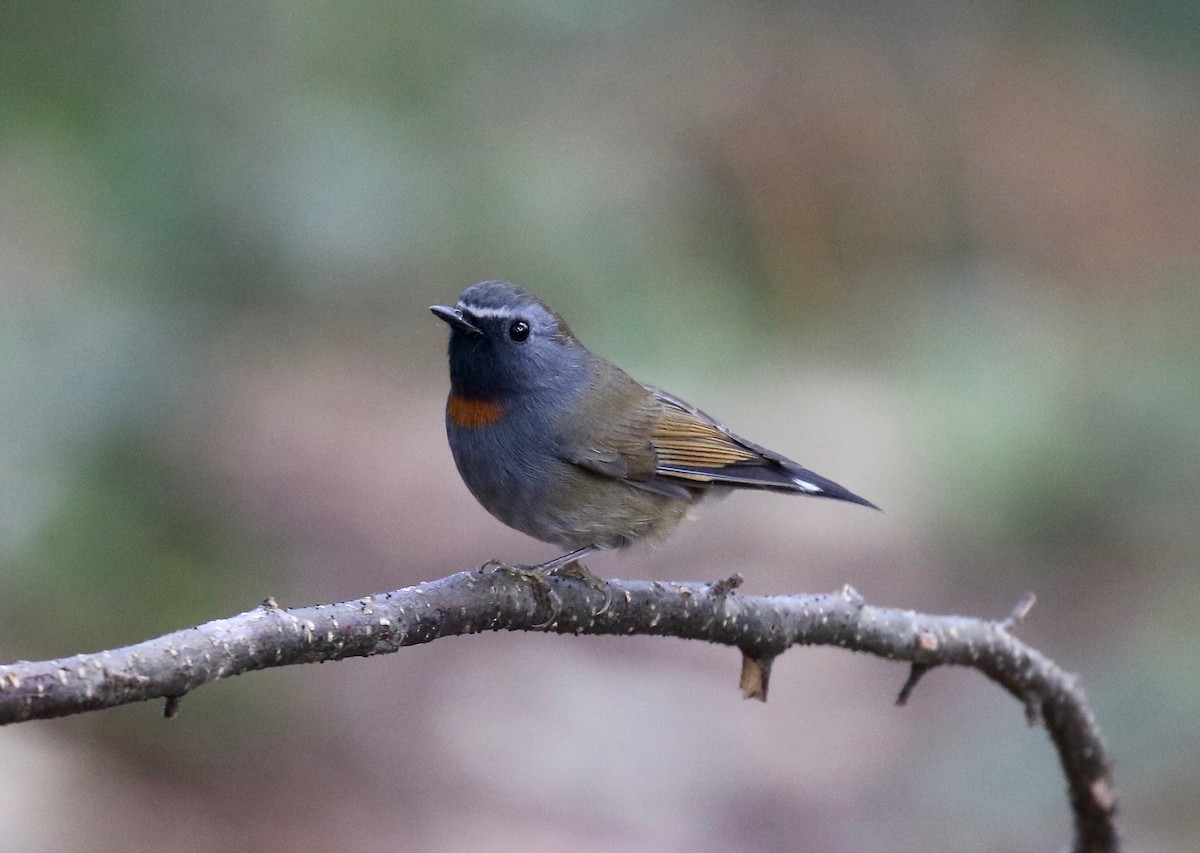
(762, 627)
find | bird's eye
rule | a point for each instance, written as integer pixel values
(519, 331)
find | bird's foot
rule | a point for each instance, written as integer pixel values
(579, 571)
(536, 577)
(576, 569)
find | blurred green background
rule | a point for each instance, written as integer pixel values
(946, 254)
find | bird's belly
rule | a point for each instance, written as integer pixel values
(591, 509)
(556, 501)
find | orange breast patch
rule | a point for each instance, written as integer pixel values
(470, 413)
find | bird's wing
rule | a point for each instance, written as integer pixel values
(690, 445)
(610, 434)
(612, 464)
(693, 446)
(658, 442)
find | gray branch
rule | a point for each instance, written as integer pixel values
(762, 627)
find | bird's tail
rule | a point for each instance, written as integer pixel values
(812, 483)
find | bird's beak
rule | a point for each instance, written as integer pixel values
(455, 318)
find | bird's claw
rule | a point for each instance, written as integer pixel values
(579, 571)
(536, 577)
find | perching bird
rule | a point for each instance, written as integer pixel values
(563, 445)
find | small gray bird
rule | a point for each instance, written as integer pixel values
(563, 445)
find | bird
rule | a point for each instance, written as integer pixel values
(561, 444)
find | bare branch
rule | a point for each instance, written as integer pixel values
(762, 627)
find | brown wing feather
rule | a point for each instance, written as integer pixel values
(686, 438)
(680, 438)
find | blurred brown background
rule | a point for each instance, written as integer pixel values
(944, 253)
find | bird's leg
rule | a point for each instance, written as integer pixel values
(569, 566)
(550, 567)
(562, 564)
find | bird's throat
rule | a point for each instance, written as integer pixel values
(473, 412)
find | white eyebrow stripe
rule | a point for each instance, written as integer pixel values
(481, 313)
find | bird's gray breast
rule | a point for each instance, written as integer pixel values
(511, 466)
